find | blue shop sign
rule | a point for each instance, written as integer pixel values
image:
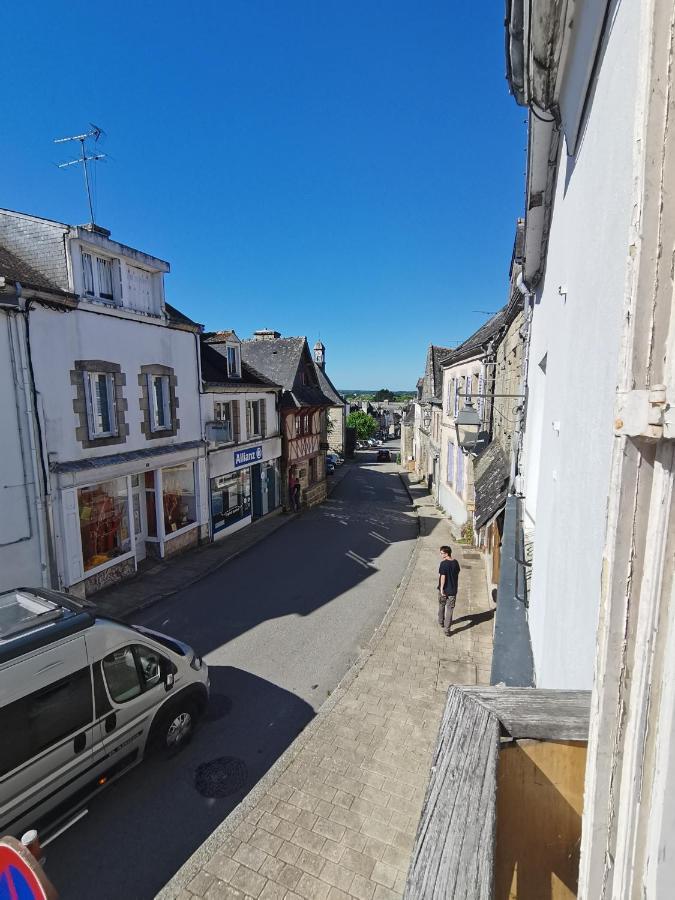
(247, 457)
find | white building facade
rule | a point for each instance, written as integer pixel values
(240, 410)
(117, 380)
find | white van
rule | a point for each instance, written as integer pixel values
(82, 699)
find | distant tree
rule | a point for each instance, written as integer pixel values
(365, 425)
(383, 394)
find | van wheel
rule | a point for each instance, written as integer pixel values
(175, 728)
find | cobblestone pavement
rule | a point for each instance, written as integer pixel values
(337, 815)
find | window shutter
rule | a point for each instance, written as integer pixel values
(235, 420)
(451, 462)
(263, 418)
(117, 281)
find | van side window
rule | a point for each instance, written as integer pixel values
(130, 671)
(44, 718)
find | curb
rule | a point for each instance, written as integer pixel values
(210, 846)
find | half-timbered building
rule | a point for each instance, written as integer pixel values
(303, 405)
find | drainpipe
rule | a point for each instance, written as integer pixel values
(40, 477)
(515, 476)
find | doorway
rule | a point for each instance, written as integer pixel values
(256, 491)
(139, 515)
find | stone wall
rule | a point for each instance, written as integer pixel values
(112, 575)
(182, 542)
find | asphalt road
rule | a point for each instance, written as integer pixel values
(279, 628)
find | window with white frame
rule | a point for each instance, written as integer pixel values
(99, 277)
(255, 418)
(222, 413)
(160, 402)
(100, 393)
(233, 361)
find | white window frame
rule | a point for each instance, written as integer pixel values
(252, 405)
(92, 266)
(95, 431)
(218, 407)
(155, 424)
(233, 372)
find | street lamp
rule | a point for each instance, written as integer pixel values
(467, 425)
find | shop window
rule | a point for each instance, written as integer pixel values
(100, 394)
(230, 499)
(104, 522)
(178, 497)
(160, 402)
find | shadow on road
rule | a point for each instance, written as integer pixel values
(249, 725)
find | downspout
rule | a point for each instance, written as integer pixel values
(40, 474)
(515, 476)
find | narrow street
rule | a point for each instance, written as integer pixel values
(279, 627)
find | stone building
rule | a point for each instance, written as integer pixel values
(336, 415)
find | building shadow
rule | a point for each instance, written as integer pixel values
(158, 814)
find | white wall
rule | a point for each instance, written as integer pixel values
(20, 558)
(570, 409)
(58, 339)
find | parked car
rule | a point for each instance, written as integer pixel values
(383, 456)
(335, 457)
(330, 467)
(83, 698)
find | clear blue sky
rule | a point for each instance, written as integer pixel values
(352, 169)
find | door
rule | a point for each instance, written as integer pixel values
(271, 475)
(140, 515)
(46, 749)
(256, 490)
(134, 680)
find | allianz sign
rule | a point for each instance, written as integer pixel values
(247, 456)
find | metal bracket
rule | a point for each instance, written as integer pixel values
(644, 413)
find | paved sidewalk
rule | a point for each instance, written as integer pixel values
(336, 816)
(162, 578)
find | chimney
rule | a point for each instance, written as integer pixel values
(96, 229)
(320, 354)
(266, 334)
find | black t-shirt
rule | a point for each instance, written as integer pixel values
(449, 568)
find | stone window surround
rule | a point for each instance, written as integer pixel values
(120, 405)
(145, 404)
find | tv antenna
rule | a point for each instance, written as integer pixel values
(484, 312)
(83, 158)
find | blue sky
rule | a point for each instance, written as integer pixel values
(346, 169)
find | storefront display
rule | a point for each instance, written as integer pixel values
(178, 497)
(230, 499)
(104, 522)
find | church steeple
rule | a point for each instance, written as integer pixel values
(320, 354)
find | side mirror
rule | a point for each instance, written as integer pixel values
(168, 681)
(169, 671)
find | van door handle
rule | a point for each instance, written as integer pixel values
(110, 722)
(80, 742)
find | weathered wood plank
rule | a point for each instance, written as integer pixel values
(454, 848)
(537, 713)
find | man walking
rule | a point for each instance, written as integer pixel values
(448, 582)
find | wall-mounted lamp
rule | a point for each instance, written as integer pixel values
(467, 425)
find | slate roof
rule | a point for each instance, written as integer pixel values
(15, 269)
(328, 388)
(176, 317)
(433, 375)
(409, 417)
(214, 371)
(281, 361)
(491, 483)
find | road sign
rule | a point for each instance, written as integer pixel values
(21, 876)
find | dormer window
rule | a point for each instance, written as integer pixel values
(233, 361)
(99, 276)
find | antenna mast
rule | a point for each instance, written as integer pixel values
(83, 159)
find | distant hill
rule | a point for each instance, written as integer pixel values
(370, 392)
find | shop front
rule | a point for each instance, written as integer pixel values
(111, 524)
(243, 485)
